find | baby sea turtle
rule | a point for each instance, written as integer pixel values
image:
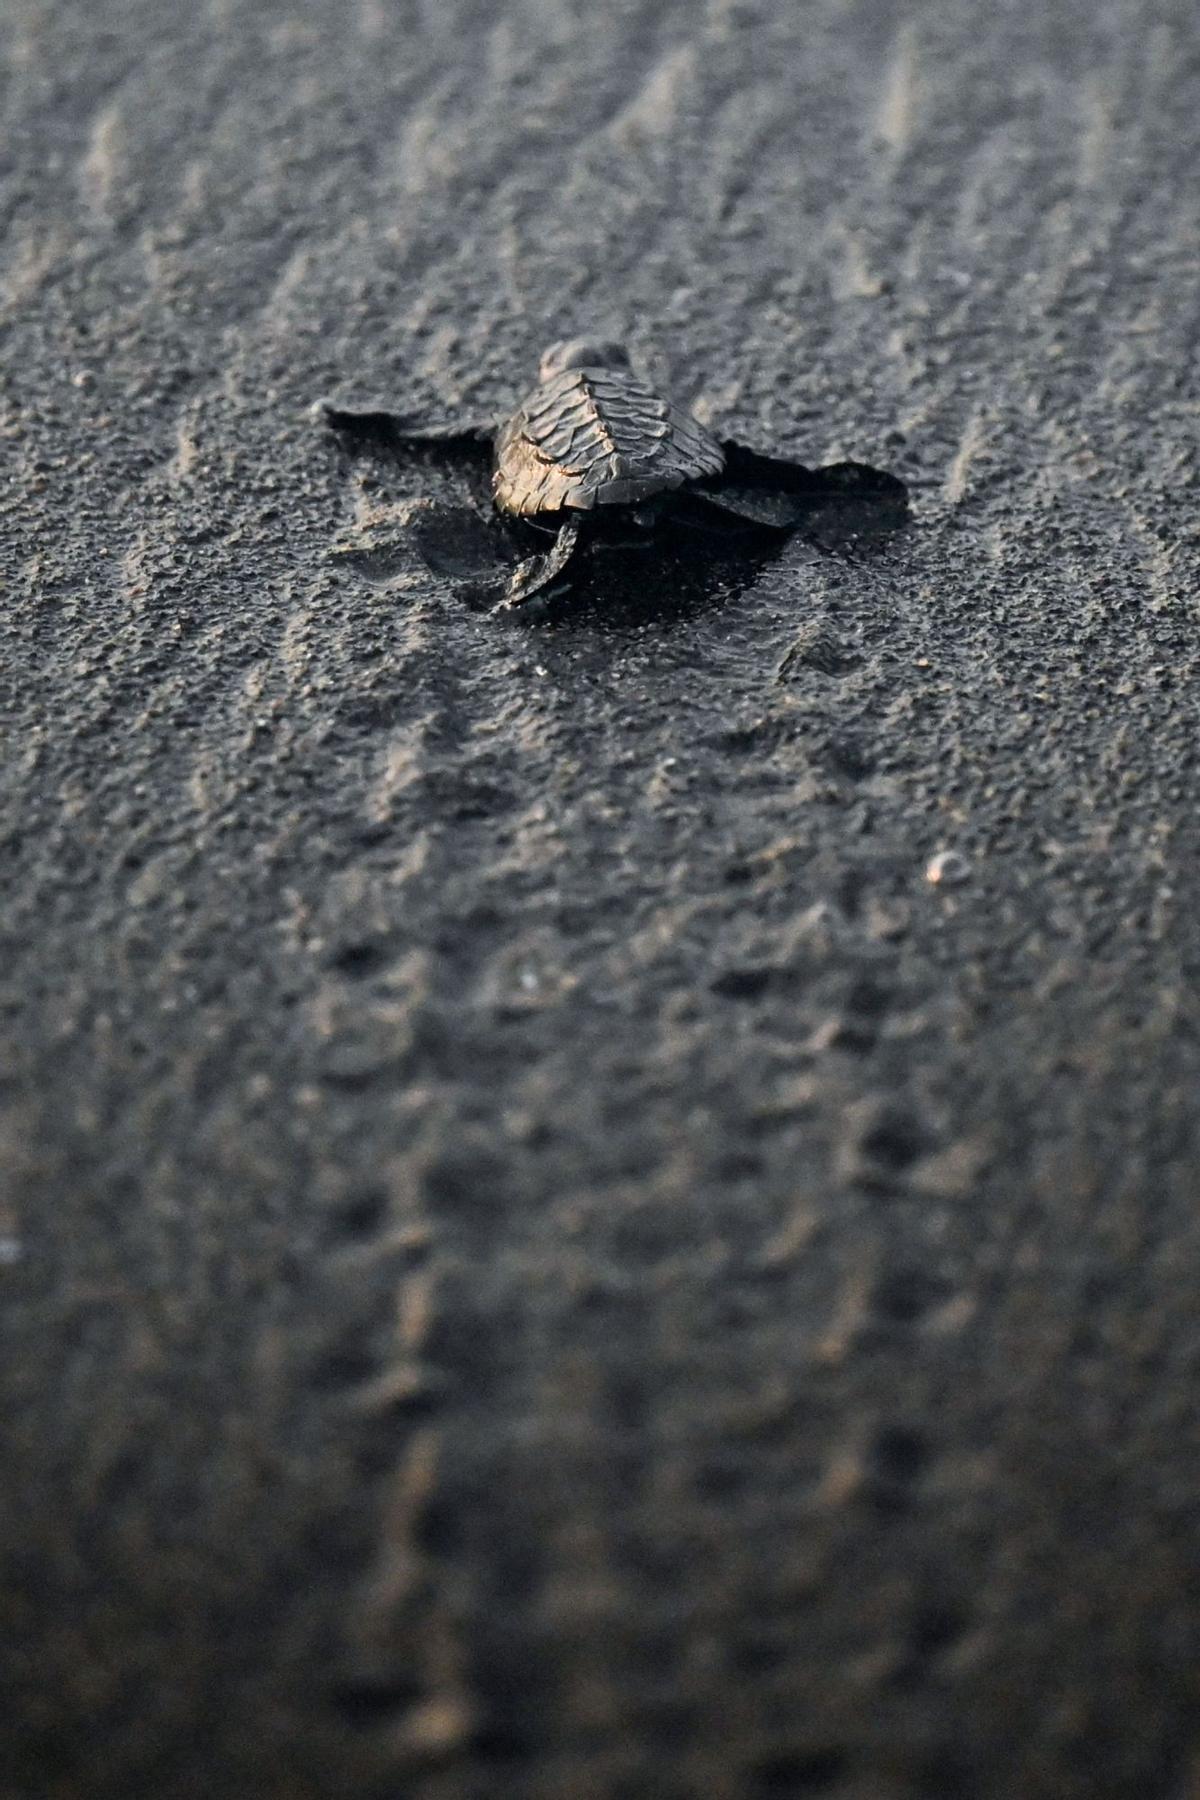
(594, 440)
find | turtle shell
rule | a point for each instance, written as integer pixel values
(597, 437)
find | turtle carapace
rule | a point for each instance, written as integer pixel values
(592, 433)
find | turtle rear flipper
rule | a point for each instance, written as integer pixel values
(540, 574)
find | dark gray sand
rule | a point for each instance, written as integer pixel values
(544, 1256)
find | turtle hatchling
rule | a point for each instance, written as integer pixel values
(594, 445)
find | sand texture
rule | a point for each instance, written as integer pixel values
(550, 1249)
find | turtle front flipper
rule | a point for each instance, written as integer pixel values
(746, 468)
(755, 508)
(539, 574)
(369, 424)
(750, 469)
(777, 493)
(769, 492)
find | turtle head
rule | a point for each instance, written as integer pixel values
(582, 353)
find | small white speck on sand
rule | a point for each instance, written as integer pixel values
(947, 868)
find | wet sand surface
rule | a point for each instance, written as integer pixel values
(542, 1254)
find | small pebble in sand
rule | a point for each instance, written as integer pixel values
(947, 869)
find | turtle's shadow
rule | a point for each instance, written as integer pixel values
(693, 559)
(677, 574)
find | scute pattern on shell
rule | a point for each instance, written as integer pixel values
(597, 437)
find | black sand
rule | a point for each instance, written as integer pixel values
(544, 1256)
